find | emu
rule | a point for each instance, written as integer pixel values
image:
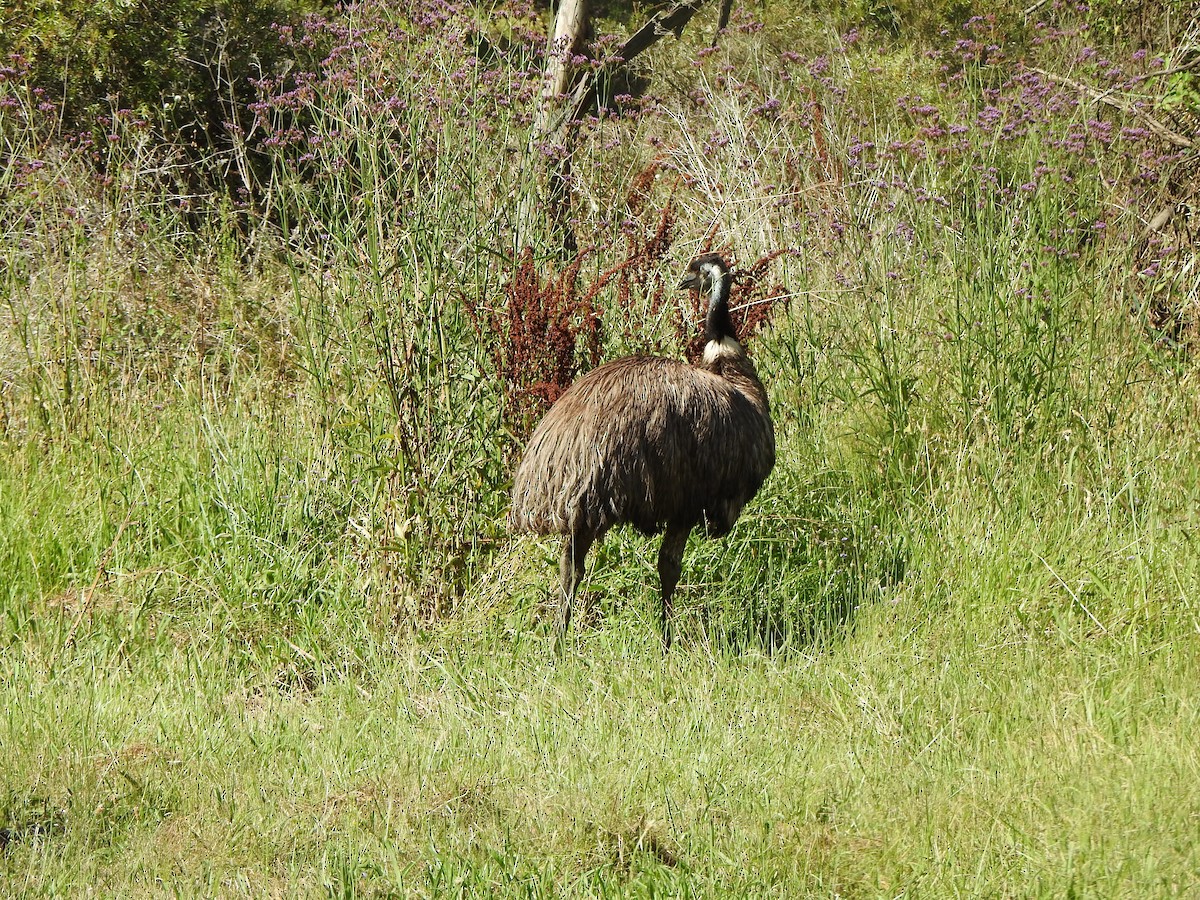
(654, 443)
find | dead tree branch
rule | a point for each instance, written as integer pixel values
(1157, 127)
(563, 107)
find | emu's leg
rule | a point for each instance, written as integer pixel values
(571, 567)
(670, 564)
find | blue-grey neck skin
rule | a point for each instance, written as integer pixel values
(717, 324)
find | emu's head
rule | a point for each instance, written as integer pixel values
(709, 275)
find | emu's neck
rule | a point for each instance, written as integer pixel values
(717, 324)
(723, 355)
(720, 341)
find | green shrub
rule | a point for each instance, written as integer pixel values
(190, 65)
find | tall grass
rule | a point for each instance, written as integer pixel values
(263, 631)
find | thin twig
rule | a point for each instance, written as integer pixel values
(1174, 70)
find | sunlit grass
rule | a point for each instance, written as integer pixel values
(262, 631)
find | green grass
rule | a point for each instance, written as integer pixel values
(941, 748)
(262, 629)
(1010, 714)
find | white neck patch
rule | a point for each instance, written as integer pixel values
(726, 346)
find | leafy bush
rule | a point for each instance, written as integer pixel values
(186, 65)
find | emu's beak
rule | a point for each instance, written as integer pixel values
(690, 280)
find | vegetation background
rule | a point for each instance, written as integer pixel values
(283, 292)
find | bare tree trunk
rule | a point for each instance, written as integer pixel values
(565, 99)
(570, 32)
(552, 126)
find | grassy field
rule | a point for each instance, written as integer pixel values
(263, 632)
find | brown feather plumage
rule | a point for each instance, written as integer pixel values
(650, 442)
(645, 441)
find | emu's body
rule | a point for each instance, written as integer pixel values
(654, 443)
